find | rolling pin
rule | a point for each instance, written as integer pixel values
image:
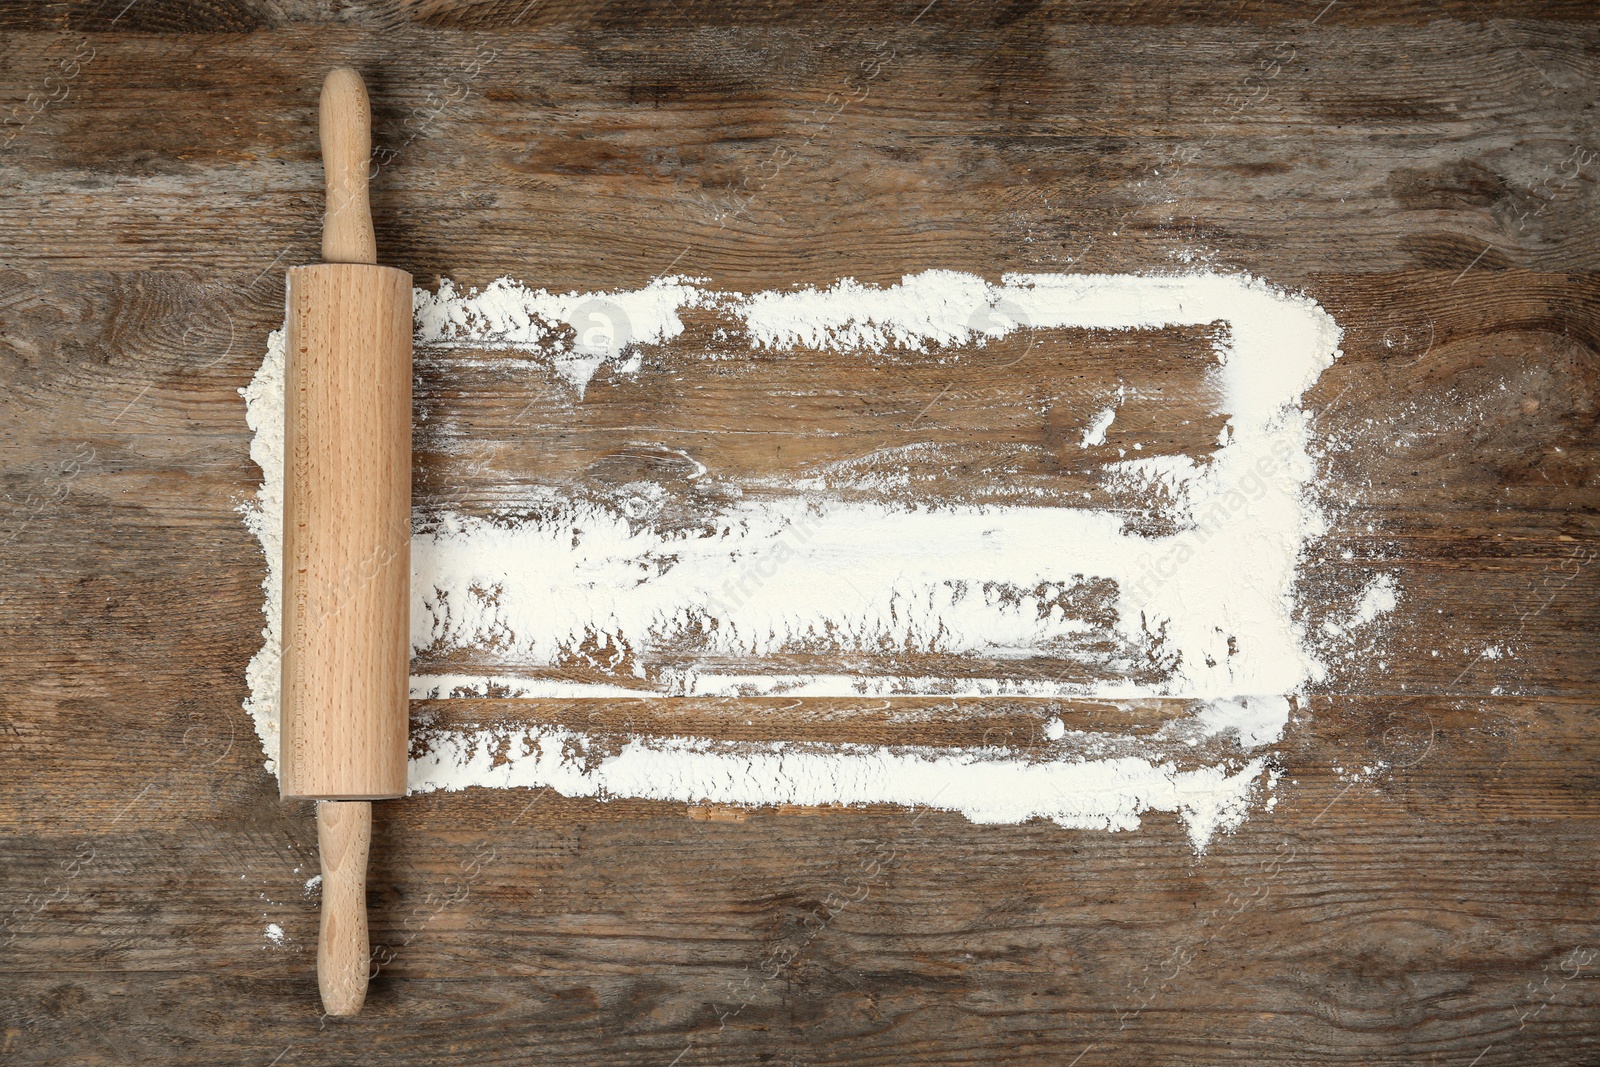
(346, 539)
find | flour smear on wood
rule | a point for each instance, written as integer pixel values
(1205, 613)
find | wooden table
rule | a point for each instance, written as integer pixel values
(1427, 174)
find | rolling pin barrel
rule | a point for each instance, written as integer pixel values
(346, 540)
(347, 532)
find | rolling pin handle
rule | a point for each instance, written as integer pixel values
(344, 836)
(345, 122)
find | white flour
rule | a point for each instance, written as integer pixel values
(987, 785)
(1378, 597)
(1095, 434)
(1211, 605)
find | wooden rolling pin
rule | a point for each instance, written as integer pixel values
(346, 539)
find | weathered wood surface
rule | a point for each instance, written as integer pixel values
(1427, 174)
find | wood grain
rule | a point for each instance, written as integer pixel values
(1412, 168)
(346, 531)
(344, 837)
(344, 126)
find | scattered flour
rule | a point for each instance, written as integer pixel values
(1212, 604)
(1378, 597)
(1095, 434)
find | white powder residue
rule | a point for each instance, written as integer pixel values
(984, 784)
(264, 406)
(1280, 342)
(869, 580)
(1379, 597)
(1209, 608)
(275, 933)
(1257, 720)
(313, 884)
(1206, 612)
(1095, 434)
(602, 326)
(1164, 480)
(938, 306)
(772, 577)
